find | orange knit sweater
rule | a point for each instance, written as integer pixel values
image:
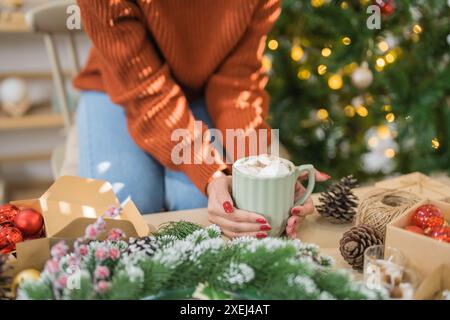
(151, 56)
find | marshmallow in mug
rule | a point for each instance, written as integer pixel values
(263, 166)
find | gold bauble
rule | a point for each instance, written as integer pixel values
(27, 274)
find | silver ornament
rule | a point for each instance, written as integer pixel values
(362, 77)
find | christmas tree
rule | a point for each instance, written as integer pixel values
(362, 87)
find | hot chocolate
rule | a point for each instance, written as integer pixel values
(264, 166)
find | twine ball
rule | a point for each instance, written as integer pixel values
(381, 206)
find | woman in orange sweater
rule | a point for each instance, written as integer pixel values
(157, 66)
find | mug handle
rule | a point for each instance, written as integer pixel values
(311, 182)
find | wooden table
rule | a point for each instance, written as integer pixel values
(314, 229)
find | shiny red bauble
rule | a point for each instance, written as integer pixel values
(7, 213)
(415, 229)
(29, 222)
(427, 216)
(9, 236)
(440, 233)
(387, 7)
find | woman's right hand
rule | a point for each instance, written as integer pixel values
(233, 222)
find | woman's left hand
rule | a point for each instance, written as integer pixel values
(299, 213)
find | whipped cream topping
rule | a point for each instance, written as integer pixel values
(263, 166)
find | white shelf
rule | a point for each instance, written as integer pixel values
(37, 118)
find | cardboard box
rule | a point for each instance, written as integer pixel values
(419, 184)
(68, 207)
(434, 284)
(423, 253)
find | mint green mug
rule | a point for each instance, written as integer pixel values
(272, 197)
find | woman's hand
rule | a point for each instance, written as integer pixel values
(233, 222)
(299, 213)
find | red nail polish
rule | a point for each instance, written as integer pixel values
(261, 220)
(295, 211)
(261, 235)
(323, 174)
(228, 207)
(265, 227)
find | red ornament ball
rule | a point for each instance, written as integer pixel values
(29, 221)
(440, 233)
(427, 216)
(7, 213)
(9, 236)
(387, 7)
(415, 229)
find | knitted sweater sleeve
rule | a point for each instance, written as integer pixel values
(235, 94)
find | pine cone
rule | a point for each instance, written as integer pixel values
(338, 203)
(355, 241)
(148, 245)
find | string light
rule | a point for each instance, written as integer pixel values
(417, 29)
(317, 3)
(387, 107)
(383, 46)
(435, 144)
(373, 142)
(335, 82)
(322, 114)
(389, 153)
(296, 53)
(344, 5)
(349, 111)
(322, 69)
(380, 62)
(346, 41)
(390, 57)
(326, 52)
(390, 117)
(383, 131)
(362, 111)
(303, 74)
(273, 44)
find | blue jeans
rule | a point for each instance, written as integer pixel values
(107, 152)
